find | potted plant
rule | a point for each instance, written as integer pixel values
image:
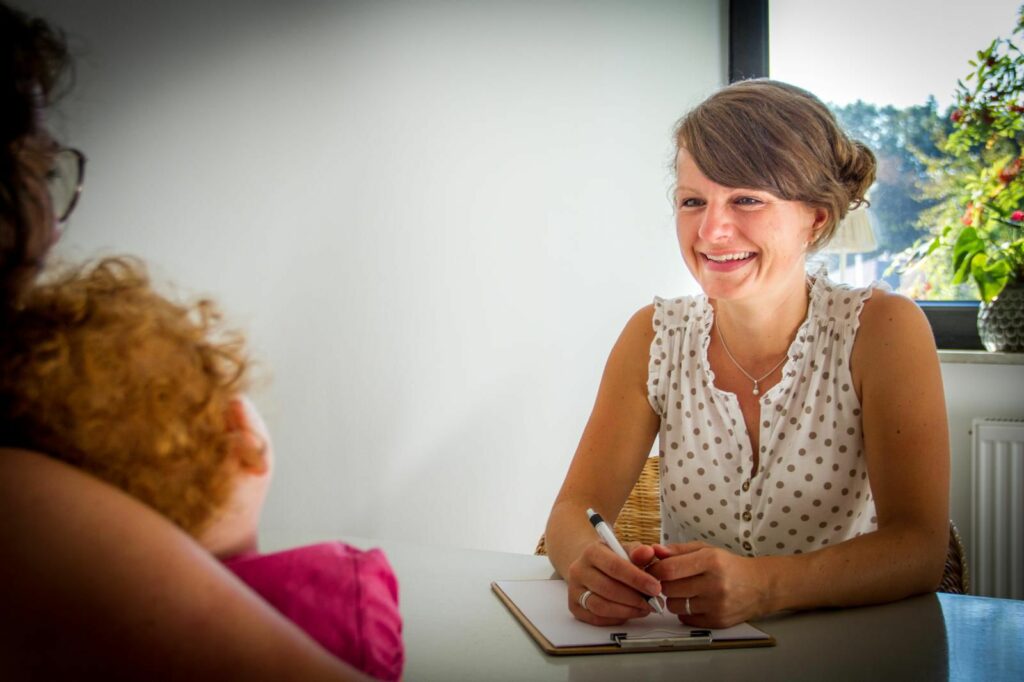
(979, 187)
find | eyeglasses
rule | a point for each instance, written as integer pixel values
(64, 181)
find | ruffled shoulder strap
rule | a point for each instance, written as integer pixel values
(672, 318)
(841, 304)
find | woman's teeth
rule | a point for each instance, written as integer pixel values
(725, 258)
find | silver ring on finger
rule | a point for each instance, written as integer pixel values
(582, 600)
(688, 611)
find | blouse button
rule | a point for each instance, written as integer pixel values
(746, 516)
(745, 486)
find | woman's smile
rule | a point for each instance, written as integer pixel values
(727, 261)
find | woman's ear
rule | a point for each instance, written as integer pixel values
(820, 219)
(248, 448)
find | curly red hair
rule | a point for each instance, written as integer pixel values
(99, 370)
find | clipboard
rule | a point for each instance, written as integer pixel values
(540, 607)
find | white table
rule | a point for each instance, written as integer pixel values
(456, 629)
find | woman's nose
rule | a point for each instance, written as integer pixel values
(715, 225)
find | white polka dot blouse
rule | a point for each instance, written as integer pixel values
(811, 488)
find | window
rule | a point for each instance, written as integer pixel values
(889, 72)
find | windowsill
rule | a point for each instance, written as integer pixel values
(980, 357)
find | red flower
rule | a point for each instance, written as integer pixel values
(1017, 216)
(956, 116)
(1010, 171)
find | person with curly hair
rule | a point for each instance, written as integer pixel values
(99, 370)
(95, 583)
(148, 395)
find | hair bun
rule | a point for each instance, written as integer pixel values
(857, 167)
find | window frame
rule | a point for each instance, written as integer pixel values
(748, 39)
(954, 323)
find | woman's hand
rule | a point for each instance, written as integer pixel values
(710, 587)
(618, 589)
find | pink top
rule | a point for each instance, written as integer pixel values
(343, 597)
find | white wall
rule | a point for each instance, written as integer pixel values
(974, 390)
(432, 218)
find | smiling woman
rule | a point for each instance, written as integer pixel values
(805, 462)
(740, 238)
(730, 176)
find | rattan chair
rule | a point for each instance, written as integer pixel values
(955, 578)
(640, 518)
(640, 521)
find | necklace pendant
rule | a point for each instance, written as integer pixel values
(756, 392)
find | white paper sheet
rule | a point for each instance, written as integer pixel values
(544, 603)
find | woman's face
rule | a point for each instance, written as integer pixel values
(740, 243)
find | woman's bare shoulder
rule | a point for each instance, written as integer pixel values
(137, 597)
(886, 313)
(32, 484)
(633, 345)
(641, 323)
(24, 472)
(893, 331)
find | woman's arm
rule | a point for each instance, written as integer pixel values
(610, 456)
(906, 442)
(95, 584)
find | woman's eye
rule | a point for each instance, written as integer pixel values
(690, 203)
(749, 201)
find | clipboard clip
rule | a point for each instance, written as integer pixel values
(697, 638)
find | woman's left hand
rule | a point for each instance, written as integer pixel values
(710, 587)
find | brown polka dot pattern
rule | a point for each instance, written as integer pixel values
(811, 489)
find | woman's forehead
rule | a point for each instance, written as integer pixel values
(686, 167)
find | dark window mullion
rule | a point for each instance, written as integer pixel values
(748, 39)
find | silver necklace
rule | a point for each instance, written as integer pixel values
(745, 373)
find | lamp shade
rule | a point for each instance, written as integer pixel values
(853, 234)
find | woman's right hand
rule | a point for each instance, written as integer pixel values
(619, 589)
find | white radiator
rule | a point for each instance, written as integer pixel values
(996, 555)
